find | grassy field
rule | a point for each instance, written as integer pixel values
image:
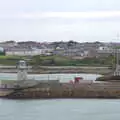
(9, 60)
(67, 61)
(56, 61)
(9, 56)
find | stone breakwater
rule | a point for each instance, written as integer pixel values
(68, 90)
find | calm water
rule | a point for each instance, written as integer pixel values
(61, 77)
(60, 109)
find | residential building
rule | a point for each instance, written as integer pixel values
(28, 52)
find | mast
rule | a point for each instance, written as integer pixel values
(117, 57)
(117, 70)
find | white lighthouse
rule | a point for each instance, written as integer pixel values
(22, 70)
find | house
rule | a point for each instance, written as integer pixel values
(27, 51)
(105, 51)
(8, 44)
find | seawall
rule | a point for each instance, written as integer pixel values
(67, 90)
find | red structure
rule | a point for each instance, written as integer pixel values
(77, 79)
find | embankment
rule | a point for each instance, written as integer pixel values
(58, 69)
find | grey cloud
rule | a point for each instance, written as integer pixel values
(16, 28)
(58, 29)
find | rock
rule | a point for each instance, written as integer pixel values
(108, 78)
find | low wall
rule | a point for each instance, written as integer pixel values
(66, 90)
(59, 69)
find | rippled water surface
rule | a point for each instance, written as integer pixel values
(60, 109)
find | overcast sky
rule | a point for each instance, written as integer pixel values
(55, 20)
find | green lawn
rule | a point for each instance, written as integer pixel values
(57, 61)
(65, 61)
(9, 56)
(9, 60)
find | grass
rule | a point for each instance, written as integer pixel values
(55, 61)
(66, 61)
(10, 60)
(10, 56)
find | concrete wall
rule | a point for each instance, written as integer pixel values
(94, 90)
(7, 83)
(25, 83)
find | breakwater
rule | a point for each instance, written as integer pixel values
(68, 90)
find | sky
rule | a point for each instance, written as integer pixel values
(56, 20)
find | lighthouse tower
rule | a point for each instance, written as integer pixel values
(22, 70)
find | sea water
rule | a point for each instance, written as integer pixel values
(61, 77)
(60, 109)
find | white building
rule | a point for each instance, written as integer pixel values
(26, 52)
(106, 50)
(8, 44)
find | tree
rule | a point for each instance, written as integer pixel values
(37, 60)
